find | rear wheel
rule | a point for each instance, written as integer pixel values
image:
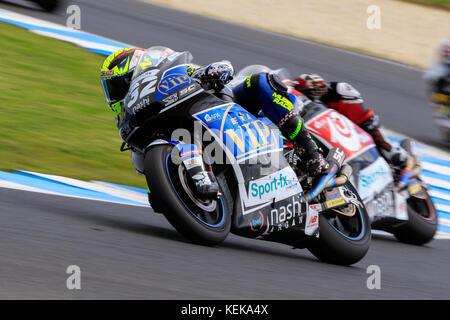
(202, 222)
(422, 221)
(344, 234)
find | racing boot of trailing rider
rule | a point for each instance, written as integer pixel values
(345, 99)
(265, 91)
(115, 75)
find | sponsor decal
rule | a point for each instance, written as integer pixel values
(374, 179)
(172, 81)
(275, 184)
(334, 199)
(378, 173)
(141, 104)
(334, 194)
(339, 131)
(192, 162)
(107, 73)
(286, 216)
(190, 153)
(244, 135)
(335, 202)
(248, 136)
(312, 221)
(257, 224)
(315, 206)
(212, 117)
(281, 184)
(170, 99)
(189, 89)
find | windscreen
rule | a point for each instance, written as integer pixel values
(160, 76)
(161, 58)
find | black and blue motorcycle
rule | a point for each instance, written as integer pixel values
(263, 192)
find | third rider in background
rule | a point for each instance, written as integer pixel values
(345, 99)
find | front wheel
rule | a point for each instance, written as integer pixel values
(202, 222)
(344, 234)
(422, 221)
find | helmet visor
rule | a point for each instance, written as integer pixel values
(116, 88)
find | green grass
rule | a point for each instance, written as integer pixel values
(443, 4)
(54, 116)
(446, 2)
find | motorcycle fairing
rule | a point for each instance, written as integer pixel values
(171, 80)
(372, 176)
(265, 180)
(244, 135)
(336, 131)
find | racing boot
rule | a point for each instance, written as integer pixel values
(313, 161)
(201, 181)
(205, 183)
(394, 155)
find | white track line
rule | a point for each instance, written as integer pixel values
(436, 182)
(11, 185)
(120, 193)
(440, 195)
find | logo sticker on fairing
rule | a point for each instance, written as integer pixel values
(374, 179)
(287, 215)
(278, 185)
(244, 135)
(258, 223)
(170, 82)
(337, 131)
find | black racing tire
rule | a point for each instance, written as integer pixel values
(336, 247)
(48, 5)
(183, 214)
(422, 221)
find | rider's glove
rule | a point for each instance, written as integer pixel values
(313, 163)
(316, 165)
(215, 76)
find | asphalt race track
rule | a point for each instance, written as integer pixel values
(128, 252)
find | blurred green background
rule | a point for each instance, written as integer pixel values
(55, 118)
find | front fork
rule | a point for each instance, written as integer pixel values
(190, 155)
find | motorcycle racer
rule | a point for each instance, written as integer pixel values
(263, 90)
(345, 99)
(438, 87)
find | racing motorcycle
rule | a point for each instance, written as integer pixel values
(261, 195)
(397, 202)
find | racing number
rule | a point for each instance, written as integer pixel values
(149, 88)
(339, 156)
